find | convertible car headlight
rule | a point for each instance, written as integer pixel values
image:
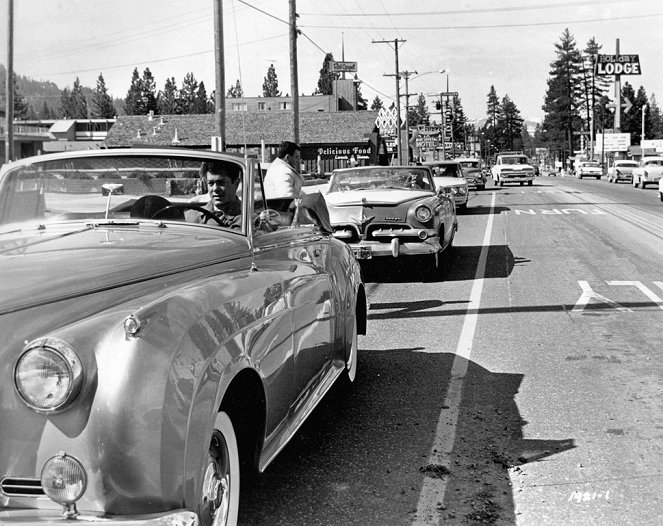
(64, 479)
(48, 375)
(423, 214)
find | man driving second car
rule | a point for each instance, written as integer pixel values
(222, 180)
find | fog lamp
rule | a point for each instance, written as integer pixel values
(64, 479)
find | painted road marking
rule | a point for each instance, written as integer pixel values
(588, 496)
(588, 294)
(641, 287)
(559, 212)
(433, 490)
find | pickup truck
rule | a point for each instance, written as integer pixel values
(512, 167)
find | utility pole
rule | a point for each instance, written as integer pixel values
(398, 96)
(294, 82)
(406, 76)
(618, 95)
(219, 76)
(9, 86)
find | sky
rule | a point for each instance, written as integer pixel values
(508, 44)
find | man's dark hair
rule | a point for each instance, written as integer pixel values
(232, 170)
(287, 148)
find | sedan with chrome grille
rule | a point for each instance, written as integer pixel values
(391, 211)
(159, 340)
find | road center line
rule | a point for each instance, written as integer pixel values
(433, 490)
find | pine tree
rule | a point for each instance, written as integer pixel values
(419, 113)
(74, 105)
(326, 80)
(200, 103)
(564, 97)
(377, 104)
(236, 91)
(492, 107)
(20, 105)
(167, 100)
(148, 93)
(510, 126)
(593, 86)
(187, 94)
(133, 100)
(102, 103)
(459, 120)
(270, 86)
(655, 130)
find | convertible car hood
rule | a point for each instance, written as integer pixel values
(62, 261)
(375, 197)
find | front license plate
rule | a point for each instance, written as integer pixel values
(362, 252)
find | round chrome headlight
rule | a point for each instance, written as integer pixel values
(48, 374)
(64, 479)
(423, 214)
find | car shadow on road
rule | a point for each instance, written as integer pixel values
(459, 265)
(364, 454)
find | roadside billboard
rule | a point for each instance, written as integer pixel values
(612, 142)
(656, 144)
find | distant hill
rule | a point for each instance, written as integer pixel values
(36, 92)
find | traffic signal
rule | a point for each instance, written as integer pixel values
(437, 105)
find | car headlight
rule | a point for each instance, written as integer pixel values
(64, 479)
(450, 190)
(48, 374)
(423, 214)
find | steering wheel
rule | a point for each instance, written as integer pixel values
(186, 206)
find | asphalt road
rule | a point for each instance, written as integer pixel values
(524, 386)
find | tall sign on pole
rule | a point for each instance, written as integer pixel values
(398, 97)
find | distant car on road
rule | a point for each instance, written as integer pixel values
(621, 170)
(649, 171)
(473, 171)
(450, 177)
(512, 167)
(588, 169)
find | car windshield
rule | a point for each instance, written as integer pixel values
(627, 164)
(470, 164)
(380, 178)
(591, 165)
(516, 159)
(447, 170)
(109, 186)
(654, 162)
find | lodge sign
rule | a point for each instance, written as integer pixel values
(618, 65)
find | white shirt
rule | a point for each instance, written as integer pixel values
(281, 180)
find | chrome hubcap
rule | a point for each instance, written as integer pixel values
(217, 483)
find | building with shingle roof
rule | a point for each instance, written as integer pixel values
(328, 139)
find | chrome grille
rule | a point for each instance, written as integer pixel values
(347, 233)
(21, 487)
(386, 232)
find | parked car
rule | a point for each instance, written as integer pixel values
(473, 172)
(649, 171)
(450, 177)
(660, 188)
(391, 211)
(148, 361)
(588, 169)
(621, 170)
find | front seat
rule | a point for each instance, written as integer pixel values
(148, 205)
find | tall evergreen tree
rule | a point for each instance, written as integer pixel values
(188, 93)
(564, 97)
(200, 103)
(270, 86)
(102, 103)
(326, 80)
(493, 107)
(236, 91)
(74, 104)
(377, 103)
(148, 93)
(133, 99)
(593, 86)
(46, 112)
(167, 100)
(510, 125)
(419, 113)
(655, 130)
(459, 121)
(362, 103)
(20, 105)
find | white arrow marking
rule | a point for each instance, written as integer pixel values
(588, 294)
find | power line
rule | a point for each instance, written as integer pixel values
(495, 26)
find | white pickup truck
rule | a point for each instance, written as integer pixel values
(512, 167)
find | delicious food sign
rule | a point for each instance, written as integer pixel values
(618, 65)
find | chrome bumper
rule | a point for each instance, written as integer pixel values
(33, 517)
(396, 248)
